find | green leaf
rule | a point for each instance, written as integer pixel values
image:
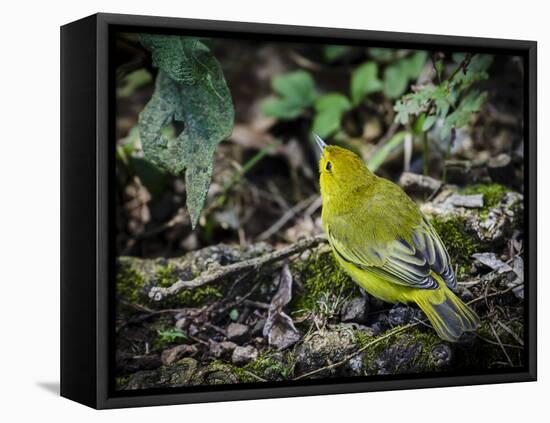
(397, 75)
(364, 81)
(473, 101)
(332, 101)
(296, 92)
(380, 155)
(395, 80)
(429, 122)
(408, 105)
(189, 91)
(382, 54)
(154, 179)
(234, 314)
(326, 123)
(329, 110)
(133, 81)
(458, 57)
(414, 64)
(178, 57)
(334, 52)
(171, 335)
(476, 71)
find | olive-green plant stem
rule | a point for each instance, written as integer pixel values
(426, 153)
(448, 154)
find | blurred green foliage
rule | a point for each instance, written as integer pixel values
(296, 92)
(329, 109)
(445, 94)
(452, 101)
(364, 81)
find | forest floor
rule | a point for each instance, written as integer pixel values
(254, 314)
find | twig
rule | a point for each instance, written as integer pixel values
(511, 332)
(143, 309)
(158, 293)
(254, 375)
(489, 341)
(494, 294)
(501, 346)
(463, 66)
(288, 215)
(256, 304)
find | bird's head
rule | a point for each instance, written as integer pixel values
(341, 171)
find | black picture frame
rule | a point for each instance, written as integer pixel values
(87, 168)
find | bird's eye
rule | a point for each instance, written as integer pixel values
(328, 166)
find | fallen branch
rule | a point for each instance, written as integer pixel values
(158, 293)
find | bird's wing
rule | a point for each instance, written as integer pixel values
(428, 242)
(403, 262)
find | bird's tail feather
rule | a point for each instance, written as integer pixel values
(449, 316)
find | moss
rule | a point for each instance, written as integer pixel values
(121, 382)
(129, 282)
(428, 341)
(134, 278)
(168, 275)
(216, 373)
(165, 275)
(460, 244)
(322, 281)
(409, 351)
(168, 336)
(492, 194)
(270, 365)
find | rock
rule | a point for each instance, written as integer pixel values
(258, 328)
(355, 310)
(174, 354)
(222, 349)
(441, 355)
(413, 183)
(178, 374)
(468, 201)
(237, 332)
(401, 315)
(490, 225)
(215, 374)
(376, 303)
(244, 355)
(517, 283)
(381, 324)
(411, 354)
(325, 347)
(356, 366)
(185, 372)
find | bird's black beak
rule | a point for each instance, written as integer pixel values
(320, 143)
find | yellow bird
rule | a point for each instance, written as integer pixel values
(382, 240)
